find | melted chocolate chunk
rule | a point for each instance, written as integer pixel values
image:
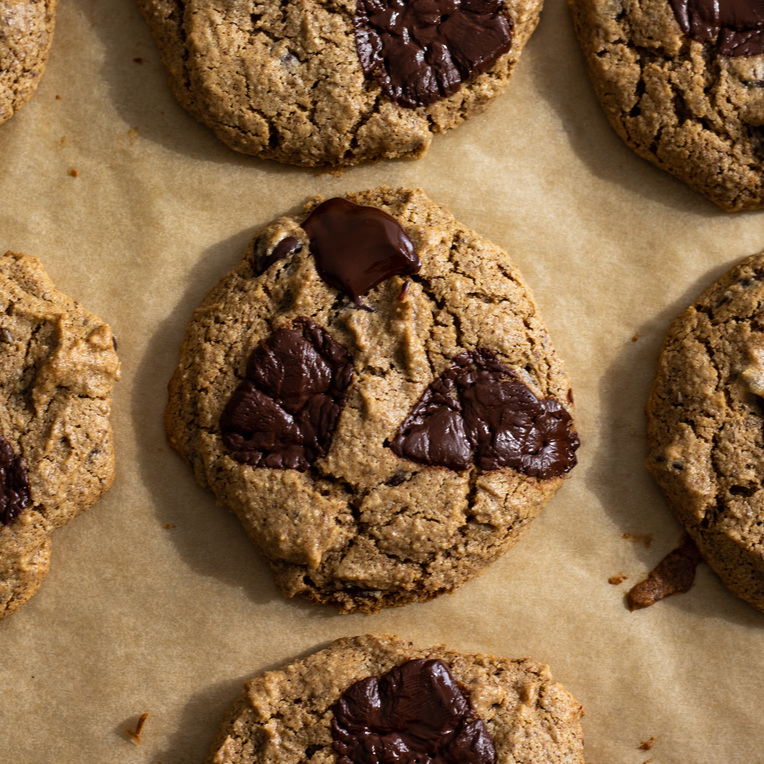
(422, 50)
(283, 415)
(674, 574)
(413, 714)
(14, 484)
(736, 25)
(478, 410)
(287, 246)
(357, 247)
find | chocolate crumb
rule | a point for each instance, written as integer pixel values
(73, 172)
(168, 526)
(646, 745)
(135, 735)
(615, 580)
(636, 337)
(674, 574)
(138, 60)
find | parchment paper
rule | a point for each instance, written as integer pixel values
(156, 600)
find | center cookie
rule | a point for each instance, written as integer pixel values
(373, 392)
(315, 83)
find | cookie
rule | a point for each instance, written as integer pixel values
(373, 392)
(57, 369)
(681, 83)
(371, 699)
(26, 34)
(332, 84)
(706, 426)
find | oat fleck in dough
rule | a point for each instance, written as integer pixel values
(57, 370)
(706, 426)
(26, 34)
(291, 714)
(324, 84)
(682, 91)
(373, 514)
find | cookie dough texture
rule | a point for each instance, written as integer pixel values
(57, 370)
(26, 34)
(283, 81)
(675, 101)
(706, 426)
(285, 715)
(364, 528)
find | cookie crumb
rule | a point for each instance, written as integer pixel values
(58, 98)
(132, 135)
(72, 172)
(636, 337)
(168, 526)
(674, 574)
(644, 538)
(615, 580)
(135, 735)
(646, 745)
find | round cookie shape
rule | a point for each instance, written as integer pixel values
(26, 34)
(335, 84)
(364, 525)
(58, 366)
(706, 426)
(680, 81)
(458, 707)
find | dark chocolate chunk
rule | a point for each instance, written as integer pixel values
(736, 25)
(478, 411)
(357, 247)
(284, 414)
(674, 574)
(414, 714)
(289, 245)
(423, 50)
(14, 484)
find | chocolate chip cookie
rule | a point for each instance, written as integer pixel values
(26, 34)
(706, 426)
(57, 370)
(331, 84)
(681, 82)
(373, 392)
(373, 699)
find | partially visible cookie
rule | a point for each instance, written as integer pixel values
(26, 34)
(332, 84)
(57, 370)
(681, 83)
(706, 426)
(373, 392)
(374, 699)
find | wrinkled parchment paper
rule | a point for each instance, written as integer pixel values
(156, 601)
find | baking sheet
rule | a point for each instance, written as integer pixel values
(156, 601)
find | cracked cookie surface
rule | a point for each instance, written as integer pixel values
(361, 527)
(284, 81)
(677, 101)
(57, 370)
(286, 715)
(706, 426)
(26, 34)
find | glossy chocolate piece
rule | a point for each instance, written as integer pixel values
(414, 714)
(674, 574)
(289, 245)
(356, 248)
(736, 25)
(477, 411)
(14, 484)
(284, 414)
(423, 50)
